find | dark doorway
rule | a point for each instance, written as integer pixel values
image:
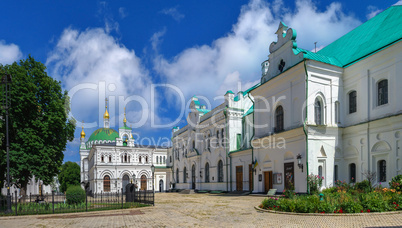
(267, 181)
(193, 177)
(289, 175)
(161, 185)
(126, 181)
(143, 182)
(239, 178)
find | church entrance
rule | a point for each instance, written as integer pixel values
(161, 185)
(193, 177)
(289, 176)
(143, 182)
(239, 178)
(126, 180)
(267, 181)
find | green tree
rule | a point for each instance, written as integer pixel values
(39, 126)
(69, 175)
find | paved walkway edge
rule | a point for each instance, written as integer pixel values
(327, 214)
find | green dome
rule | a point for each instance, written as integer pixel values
(104, 134)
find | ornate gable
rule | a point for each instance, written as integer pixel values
(283, 53)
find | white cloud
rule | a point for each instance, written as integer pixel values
(9, 53)
(93, 56)
(398, 3)
(372, 12)
(176, 15)
(156, 39)
(123, 12)
(208, 70)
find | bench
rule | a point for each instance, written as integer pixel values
(271, 192)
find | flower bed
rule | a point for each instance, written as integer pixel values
(342, 198)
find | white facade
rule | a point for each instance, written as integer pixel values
(342, 136)
(201, 149)
(335, 113)
(110, 160)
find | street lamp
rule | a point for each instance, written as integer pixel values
(5, 80)
(153, 189)
(299, 161)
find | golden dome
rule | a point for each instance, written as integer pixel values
(124, 120)
(82, 132)
(106, 115)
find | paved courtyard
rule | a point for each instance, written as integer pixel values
(199, 210)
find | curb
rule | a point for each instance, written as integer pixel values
(328, 214)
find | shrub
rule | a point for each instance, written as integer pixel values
(270, 203)
(396, 183)
(363, 186)
(75, 195)
(375, 202)
(315, 183)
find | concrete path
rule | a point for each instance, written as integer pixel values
(199, 210)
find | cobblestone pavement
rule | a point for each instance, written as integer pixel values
(199, 210)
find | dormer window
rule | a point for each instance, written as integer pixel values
(281, 65)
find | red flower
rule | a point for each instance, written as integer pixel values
(340, 211)
(397, 205)
(368, 210)
(335, 211)
(361, 211)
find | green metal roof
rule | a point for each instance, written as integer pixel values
(125, 127)
(229, 91)
(203, 110)
(375, 34)
(317, 57)
(251, 110)
(103, 134)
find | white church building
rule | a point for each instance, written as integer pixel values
(335, 113)
(111, 159)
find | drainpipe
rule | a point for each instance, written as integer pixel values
(304, 127)
(227, 153)
(368, 121)
(252, 148)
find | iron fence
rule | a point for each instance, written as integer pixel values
(60, 203)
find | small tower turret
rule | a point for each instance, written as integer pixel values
(106, 117)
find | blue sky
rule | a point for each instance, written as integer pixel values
(119, 49)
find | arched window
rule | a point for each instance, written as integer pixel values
(352, 173)
(318, 112)
(193, 144)
(170, 158)
(106, 183)
(383, 92)
(164, 160)
(209, 142)
(146, 159)
(352, 102)
(337, 112)
(336, 173)
(177, 175)
(157, 159)
(125, 157)
(185, 175)
(279, 119)
(110, 158)
(382, 168)
(207, 172)
(140, 158)
(217, 139)
(320, 171)
(220, 171)
(102, 158)
(223, 137)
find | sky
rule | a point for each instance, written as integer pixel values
(151, 57)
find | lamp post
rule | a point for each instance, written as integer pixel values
(153, 189)
(5, 80)
(299, 161)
